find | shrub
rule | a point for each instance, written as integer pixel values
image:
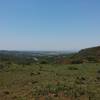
(73, 68)
(77, 61)
(44, 62)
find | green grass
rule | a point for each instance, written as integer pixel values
(50, 82)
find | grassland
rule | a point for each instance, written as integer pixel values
(50, 82)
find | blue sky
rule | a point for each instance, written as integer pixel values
(49, 24)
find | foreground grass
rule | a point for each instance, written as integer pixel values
(50, 82)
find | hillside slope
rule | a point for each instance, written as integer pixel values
(88, 54)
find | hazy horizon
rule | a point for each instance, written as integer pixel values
(49, 25)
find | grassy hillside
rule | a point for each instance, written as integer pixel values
(90, 52)
(50, 82)
(88, 55)
(24, 76)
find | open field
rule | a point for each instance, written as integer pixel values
(50, 82)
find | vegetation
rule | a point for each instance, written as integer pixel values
(88, 55)
(57, 77)
(50, 82)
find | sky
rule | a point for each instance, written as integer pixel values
(49, 24)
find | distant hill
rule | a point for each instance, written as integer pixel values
(94, 51)
(88, 54)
